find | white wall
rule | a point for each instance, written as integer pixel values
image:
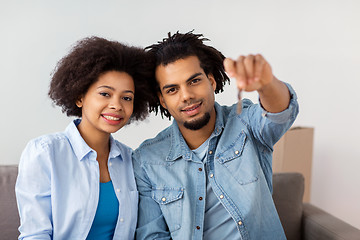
(314, 45)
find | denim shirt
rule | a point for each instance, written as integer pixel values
(172, 185)
(57, 188)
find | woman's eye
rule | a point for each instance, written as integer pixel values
(128, 98)
(104, 94)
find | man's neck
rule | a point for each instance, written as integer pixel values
(194, 138)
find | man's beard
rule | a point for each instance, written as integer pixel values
(198, 123)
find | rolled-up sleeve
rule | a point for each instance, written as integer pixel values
(288, 114)
(268, 127)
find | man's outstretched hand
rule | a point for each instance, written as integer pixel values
(253, 73)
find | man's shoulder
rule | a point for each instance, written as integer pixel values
(229, 113)
(231, 109)
(158, 145)
(160, 138)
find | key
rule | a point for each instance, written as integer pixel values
(239, 104)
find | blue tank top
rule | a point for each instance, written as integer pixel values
(106, 216)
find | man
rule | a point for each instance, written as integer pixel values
(209, 175)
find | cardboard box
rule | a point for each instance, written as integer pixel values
(293, 153)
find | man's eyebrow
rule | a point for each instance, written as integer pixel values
(168, 86)
(193, 76)
(189, 79)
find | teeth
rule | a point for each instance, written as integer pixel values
(192, 108)
(112, 118)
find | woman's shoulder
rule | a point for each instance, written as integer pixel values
(41, 150)
(47, 141)
(122, 150)
(122, 146)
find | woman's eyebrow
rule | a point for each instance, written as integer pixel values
(105, 86)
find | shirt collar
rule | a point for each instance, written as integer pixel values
(219, 123)
(115, 148)
(80, 147)
(179, 147)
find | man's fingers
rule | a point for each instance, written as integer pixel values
(251, 71)
(241, 75)
(259, 65)
(249, 67)
(247, 70)
(229, 66)
(235, 69)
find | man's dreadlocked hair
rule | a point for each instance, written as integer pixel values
(180, 46)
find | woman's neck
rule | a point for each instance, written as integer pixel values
(100, 142)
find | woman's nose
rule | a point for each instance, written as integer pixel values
(116, 105)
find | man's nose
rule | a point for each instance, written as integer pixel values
(186, 94)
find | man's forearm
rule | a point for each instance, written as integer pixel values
(275, 96)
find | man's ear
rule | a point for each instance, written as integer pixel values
(79, 102)
(161, 100)
(212, 81)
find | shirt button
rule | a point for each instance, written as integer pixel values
(200, 198)
(210, 152)
(118, 190)
(211, 175)
(163, 199)
(110, 164)
(200, 169)
(263, 114)
(239, 223)
(236, 152)
(121, 219)
(197, 227)
(221, 196)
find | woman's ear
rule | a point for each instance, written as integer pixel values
(79, 102)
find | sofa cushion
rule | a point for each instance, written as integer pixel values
(9, 217)
(288, 191)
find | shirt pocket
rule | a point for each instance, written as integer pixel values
(240, 159)
(171, 204)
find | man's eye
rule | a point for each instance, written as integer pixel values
(170, 90)
(195, 80)
(104, 94)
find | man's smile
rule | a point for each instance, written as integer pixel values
(192, 109)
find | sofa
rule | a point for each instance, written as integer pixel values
(304, 221)
(300, 220)
(9, 218)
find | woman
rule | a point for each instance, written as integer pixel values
(79, 184)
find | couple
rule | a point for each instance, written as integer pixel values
(207, 176)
